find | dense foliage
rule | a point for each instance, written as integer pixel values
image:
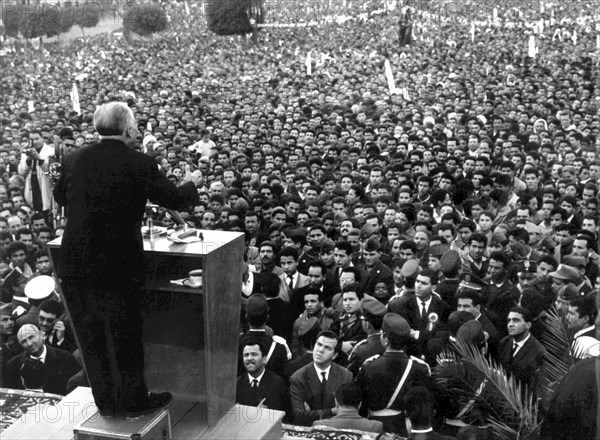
(234, 17)
(145, 19)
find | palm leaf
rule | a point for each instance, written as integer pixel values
(557, 338)
(511, 410)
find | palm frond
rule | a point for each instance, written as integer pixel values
(511, 410)
(557, 338)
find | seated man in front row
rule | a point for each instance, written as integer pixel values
(40, 367)
(347, 400)
(259, 386)
(313, 386)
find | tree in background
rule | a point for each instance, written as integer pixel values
(234, 17)
(145, 19)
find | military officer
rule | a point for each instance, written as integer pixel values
(383, 380)
(373, 312)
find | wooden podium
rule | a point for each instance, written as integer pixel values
(191, 334)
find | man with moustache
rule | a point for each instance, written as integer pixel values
(259, 386)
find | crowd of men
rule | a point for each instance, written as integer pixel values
(377, 225)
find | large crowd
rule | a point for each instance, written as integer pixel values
(383, 221)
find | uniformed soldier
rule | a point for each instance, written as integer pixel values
(278, 352)
(407, 276)
(383, 380)
(450, 265)
(308, 332)
(373, 312)
(378, 271)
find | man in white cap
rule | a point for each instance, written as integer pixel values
(37, 290)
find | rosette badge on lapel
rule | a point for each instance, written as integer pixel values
(433, 319)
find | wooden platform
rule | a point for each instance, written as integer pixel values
(188, 421)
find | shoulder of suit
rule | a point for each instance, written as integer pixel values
(358, 344)
(371, 359)
(421, 362)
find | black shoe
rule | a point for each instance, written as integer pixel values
(110, 413)
(149, 405)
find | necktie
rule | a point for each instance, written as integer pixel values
(255, 383)
(423, 309)
(514, 350)
(291, 283)
(323, 386)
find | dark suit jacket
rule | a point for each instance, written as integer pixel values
(408, 306)
(104, 188)
(271, 386)
(572, 410)
(332, 279)
(526, 364)
(305, 387)
(60, 365)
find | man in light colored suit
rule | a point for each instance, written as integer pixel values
(313, 386)
(291, 279)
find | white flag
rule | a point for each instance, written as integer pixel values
(30, 107)
(389, 75)
(495, 15)
(75, 99)
(472, 32)
(187, 8)
(574, 38)
(308, 64)
(598, 42)
(531, 51)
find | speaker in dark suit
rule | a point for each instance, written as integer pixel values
(104, 188)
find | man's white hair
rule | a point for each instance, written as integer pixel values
(112, 119)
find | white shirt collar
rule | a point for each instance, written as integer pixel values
(259, 378)
(520, 344)
(41, 357)
(584, 330)
(319, 371)
(427, 303)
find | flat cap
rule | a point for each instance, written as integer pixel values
(395, 326)
(327, 246)
(372, 244)
(575, 261)
(568, 292)
(410, 269)
(566, 272)
(471, 331)
(450, 261)
(438, 250)
(371, 306)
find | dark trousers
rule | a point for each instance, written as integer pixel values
(108, 324)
